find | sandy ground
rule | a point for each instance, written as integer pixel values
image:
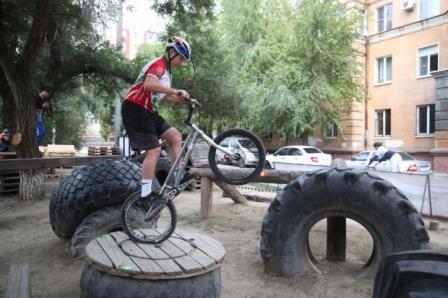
(26, 237)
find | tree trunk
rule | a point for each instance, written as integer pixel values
(18, 71)
(31, 185)
(8, 105)
(31, 181)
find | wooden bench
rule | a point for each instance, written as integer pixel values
(18, 285)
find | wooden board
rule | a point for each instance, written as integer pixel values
(9, 182)
(183, 255)
(18, 285)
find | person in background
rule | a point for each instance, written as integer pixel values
(382, 154)
(42, 104)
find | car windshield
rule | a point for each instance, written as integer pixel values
(246, 143)
(405, 156)
(361, 156)
(311, 150)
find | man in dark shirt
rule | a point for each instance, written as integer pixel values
(41, 101)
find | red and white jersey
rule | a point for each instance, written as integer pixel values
(147, 99)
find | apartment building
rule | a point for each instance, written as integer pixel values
(404, 51)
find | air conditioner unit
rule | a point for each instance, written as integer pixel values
(408, 5)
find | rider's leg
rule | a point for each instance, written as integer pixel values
(174, 139)
(148, 170)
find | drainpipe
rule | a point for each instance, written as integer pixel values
(366, 94)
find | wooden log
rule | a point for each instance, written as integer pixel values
(40, 163)
(267, 176)
(336, 239)
(232, 192)
(18, 282)
(206, 196)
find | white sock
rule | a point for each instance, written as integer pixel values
(146, 187)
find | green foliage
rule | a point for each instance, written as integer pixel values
(81, 67)
(261, 64)
(267, 65)
(300, 70)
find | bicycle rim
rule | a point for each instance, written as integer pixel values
(157, 230)
(246, 161)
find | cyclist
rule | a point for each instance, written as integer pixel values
(142, 122)
(382, 154)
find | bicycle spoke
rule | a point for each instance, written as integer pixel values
(242, 160)
(133, 216)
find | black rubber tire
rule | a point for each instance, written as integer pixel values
(97, 284)
(173, 221)
(381, 208)
(105, 220)
(410, 273)
(163, 168)
(258, 168)
(89, 189)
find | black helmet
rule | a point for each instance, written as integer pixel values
(377, 144)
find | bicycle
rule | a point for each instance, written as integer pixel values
(236, 156)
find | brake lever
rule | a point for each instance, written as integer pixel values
(193, 102)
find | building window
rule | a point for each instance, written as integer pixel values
(382, 123)
(383, 70)
(425, 119)
(362, 22)
(428, 60)
(331, 131)
(384, 18)
(428, 8)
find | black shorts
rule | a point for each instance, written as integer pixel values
(143, 127)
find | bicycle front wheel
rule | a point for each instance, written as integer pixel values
(159, 229)
(245, 161)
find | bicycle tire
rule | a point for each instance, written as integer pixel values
(257, 163)
(147, 232)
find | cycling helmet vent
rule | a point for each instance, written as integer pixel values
(181, 46)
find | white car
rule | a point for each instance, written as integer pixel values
(408, 164)
(306, 155)
(245, 147)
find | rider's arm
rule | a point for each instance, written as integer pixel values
(172, 95)
(151, 84)
(373, 158)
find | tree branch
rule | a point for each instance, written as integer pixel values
(36, 35)
(95, 69)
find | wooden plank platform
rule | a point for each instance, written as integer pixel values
(104, 150)
(184, 254)
(9, 182)
(8, 155)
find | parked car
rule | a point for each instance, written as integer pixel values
(306, 155)
(245, 147)
(408, 164)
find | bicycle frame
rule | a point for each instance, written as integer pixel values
(181, 161)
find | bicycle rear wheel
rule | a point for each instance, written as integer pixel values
(246, 161)
(157, 230)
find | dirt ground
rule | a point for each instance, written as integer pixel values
(26, 237)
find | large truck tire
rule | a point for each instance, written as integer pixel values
(95, 283)
(163, 168)
(89, 189)
(105, 220)
(381, 208)
(413, 274)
